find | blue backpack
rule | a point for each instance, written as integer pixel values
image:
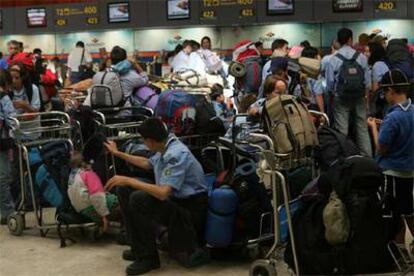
(350, 78)
(52, 175)
(178, 110)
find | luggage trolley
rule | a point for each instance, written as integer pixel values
(53, 126)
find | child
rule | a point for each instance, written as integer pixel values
(223, 111)
(395, 147)
(86, 192)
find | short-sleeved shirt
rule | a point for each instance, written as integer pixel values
(315, 86)
(35, 103)
(397, 134)
(378, 71)
(178, 168)
(3, 64)
(75, 58)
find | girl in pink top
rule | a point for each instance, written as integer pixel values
(87, 194)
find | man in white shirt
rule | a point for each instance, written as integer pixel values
(182, 59)
(79, 56)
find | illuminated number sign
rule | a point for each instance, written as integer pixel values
(245, 2)
(90, 10)
(386, 6)
(211, 3)
(246, 12)
(61, 22)
(92, 20)
(209, 14)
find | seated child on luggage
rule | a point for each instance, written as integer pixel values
(220, 107)
(86, 192)
(273, 87)
(395, 146)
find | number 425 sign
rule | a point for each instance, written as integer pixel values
(386, 5)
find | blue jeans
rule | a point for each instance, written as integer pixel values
(343, 111)
(6, 180)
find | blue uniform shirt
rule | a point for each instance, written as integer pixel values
(397, 133)
(177, 167)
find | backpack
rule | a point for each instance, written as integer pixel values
(332, 146)
(294, 74)
(177, 110)
(287, 120)
(356, 181)
(400, 58)
(52, 175)
(145, 96)
(107, 90)
(206, 120)
(251, 81)
(350, 78)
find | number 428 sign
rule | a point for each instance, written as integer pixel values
(386, 5)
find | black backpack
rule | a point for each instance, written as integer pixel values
(356, 181)
(332, 146)
(350, 78)
(206, 120)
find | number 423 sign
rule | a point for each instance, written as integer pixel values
(386, 5)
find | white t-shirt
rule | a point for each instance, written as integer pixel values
(74, 59)
(180, 62)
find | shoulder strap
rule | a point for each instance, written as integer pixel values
(103, 77)
(29, 92)
(83, 55)
(341, 57)
(355, 56)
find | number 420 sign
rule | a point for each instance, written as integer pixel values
(386, 5)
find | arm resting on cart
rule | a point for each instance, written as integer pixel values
(138, 161)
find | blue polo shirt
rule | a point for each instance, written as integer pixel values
(177, 167)
(397, 134)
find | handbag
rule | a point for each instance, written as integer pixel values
(85, 71)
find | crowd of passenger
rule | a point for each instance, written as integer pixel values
(379, 117)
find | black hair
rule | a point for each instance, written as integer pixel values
(118, 54)
(37, 51)
(258, 44)
(194, 45)
(405, 40)
(305, 44)
(21, 45)
(278, 43)
(206, 38)
(378, 53)
(186, 43)
(80, 44)
(154, 128)
(310, 52)
(397, 80)
(1, 55)
(344, 35)
(178, 48)
(5, 79)
(216, 91)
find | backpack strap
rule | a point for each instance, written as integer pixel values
(355, 56)
(103, 77)
(341, 57)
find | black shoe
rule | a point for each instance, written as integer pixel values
(128, 255)
(143, 266)
(122, 239)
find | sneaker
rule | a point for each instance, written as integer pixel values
(143, 266)
(128, 255)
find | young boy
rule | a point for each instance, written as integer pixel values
(219, 104)
(395, 147)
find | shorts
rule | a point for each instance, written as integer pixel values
(90, 212)
(401, 192)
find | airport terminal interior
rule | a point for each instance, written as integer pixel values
(206, 137)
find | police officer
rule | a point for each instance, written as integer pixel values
(178, 200)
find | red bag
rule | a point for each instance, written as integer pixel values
(25, 58)
(48, 80)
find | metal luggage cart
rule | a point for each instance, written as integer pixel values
(54, 127)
